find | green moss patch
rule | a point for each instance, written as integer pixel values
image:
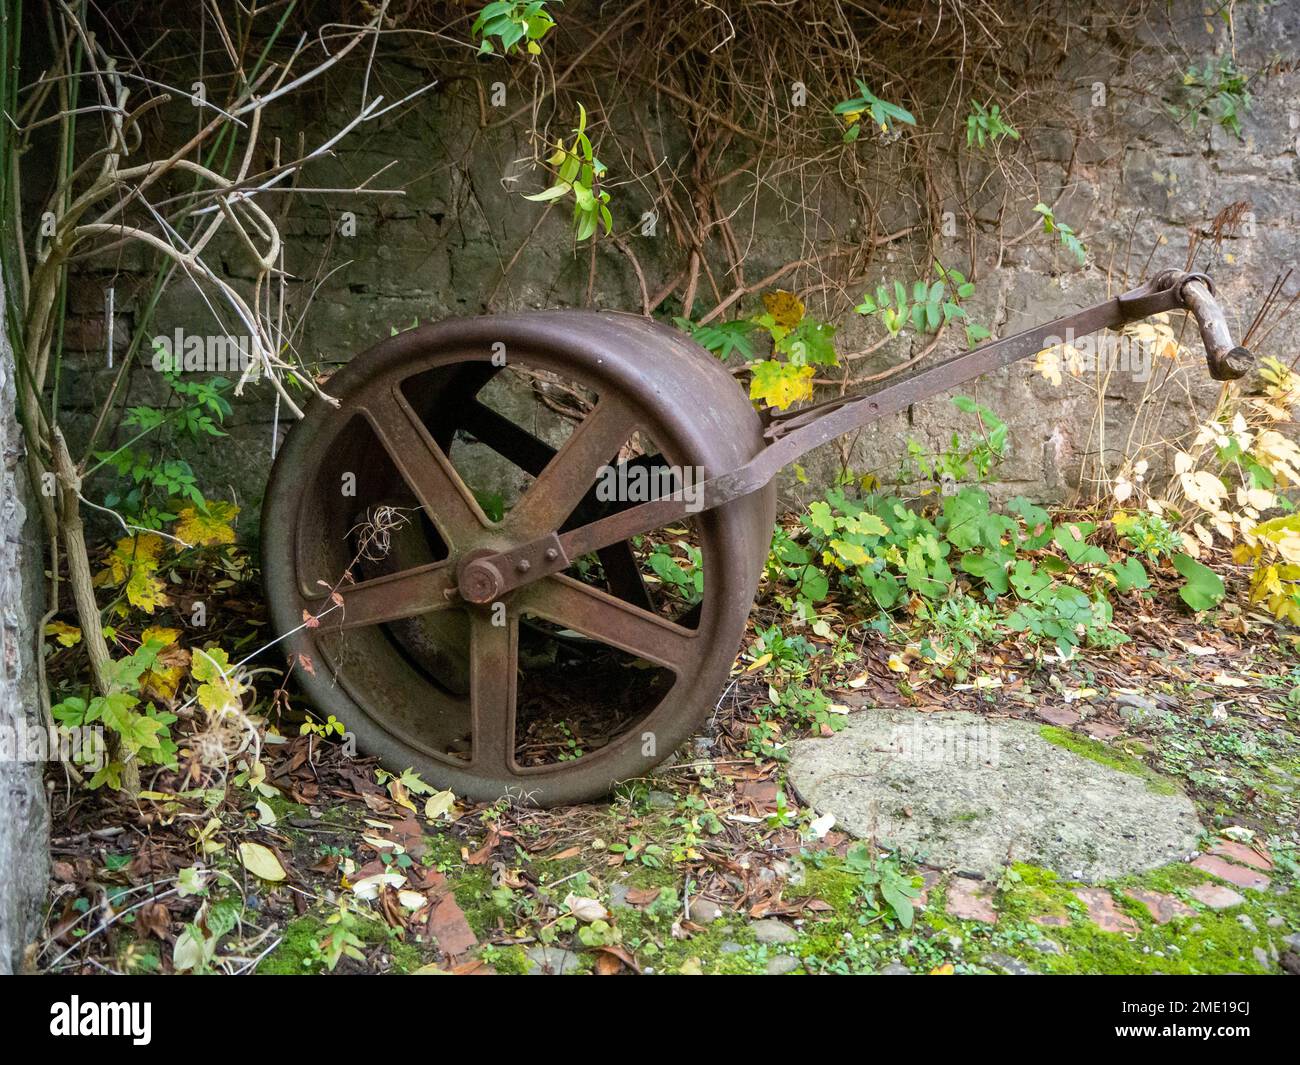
(1204, 943)
(1108, 756)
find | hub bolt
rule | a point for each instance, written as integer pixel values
(480, 582)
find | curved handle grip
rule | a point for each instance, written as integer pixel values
(1227, 361)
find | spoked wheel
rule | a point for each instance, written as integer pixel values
(473, 436)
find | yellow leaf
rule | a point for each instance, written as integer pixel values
(261, 861)
(1258, 498)
(160, 634)
(867, 524)
(946, 969)
(1051, 361)
(219, 688)
(853, 553)
(164, 680)
(779, 384)
(786, 309)
(166, 675)
(132, 552)
(146, 591)
(1279, 455)
(1048, 363)
(439, 804)
(210, 529)
(398, 793)
(211, 663)
(67, 635)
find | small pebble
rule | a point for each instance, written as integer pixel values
(781, 964)
(704, 911)
(770, 930)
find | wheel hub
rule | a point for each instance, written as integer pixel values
(479, 581)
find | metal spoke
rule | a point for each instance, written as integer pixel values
(507, 439)
(623, 574)
(493, 682)
(425, 467)
(392, 597)
(567, 479)
(458, 394)
(603, 617)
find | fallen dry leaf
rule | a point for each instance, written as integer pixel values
(585, 909)
(484, 852)
(261, 861)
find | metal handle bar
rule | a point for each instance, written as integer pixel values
(486, 577)
(1227, 361)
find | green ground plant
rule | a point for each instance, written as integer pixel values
(966, 573)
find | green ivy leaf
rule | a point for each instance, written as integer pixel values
(1129, 574)
(1203, 587)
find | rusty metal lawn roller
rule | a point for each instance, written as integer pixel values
(456, 634)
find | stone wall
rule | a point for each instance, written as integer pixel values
(1136, 185)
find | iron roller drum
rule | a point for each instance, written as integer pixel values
(446, 446)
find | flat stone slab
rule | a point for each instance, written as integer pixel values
(970, 794)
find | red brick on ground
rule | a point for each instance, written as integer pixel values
(1216, 896)
(1050, 920)
(1103, 911)
(929, 877)
(1059, 716)
(971, 900)
(1233, 874)
(1240, 853)
(1163, 908)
